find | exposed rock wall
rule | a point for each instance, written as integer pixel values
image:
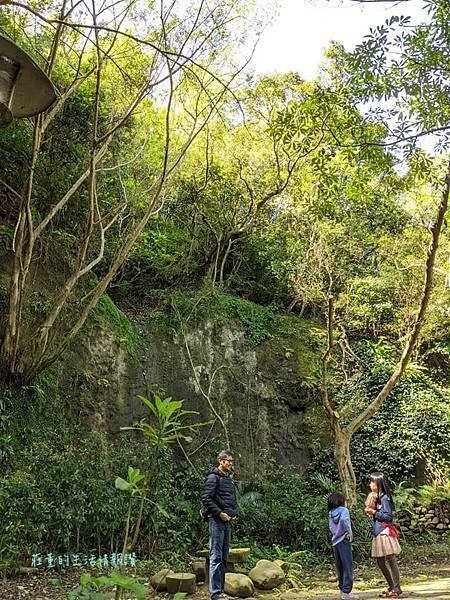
(258, 393)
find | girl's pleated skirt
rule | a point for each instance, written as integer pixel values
(384, 545)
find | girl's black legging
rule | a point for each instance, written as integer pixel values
(389, 567)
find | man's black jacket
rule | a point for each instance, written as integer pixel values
(220, 494)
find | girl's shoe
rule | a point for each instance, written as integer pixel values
(349, 596)
(385, 594)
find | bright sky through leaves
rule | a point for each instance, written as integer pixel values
(303, 29)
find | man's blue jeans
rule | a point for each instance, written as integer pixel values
(219, 546)
(344, 565)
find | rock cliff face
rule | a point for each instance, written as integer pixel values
(259, 398)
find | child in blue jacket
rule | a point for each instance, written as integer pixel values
(341, 539)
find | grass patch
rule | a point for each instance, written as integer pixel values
(107, 313)
(261, 323)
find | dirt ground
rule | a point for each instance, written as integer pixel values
(437, 589)
(39, 587)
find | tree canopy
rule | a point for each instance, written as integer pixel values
(165, 162)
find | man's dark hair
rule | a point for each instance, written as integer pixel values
(335, 500)
(223, 455)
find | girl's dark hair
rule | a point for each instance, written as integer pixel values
(384, 488)
(335, 500)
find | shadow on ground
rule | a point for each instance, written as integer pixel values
(438, 589)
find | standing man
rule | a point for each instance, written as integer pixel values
(220, 507)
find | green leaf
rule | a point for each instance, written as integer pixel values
(121, 484)
(85, 579)
(163, 511)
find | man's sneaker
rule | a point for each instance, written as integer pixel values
(349, 596)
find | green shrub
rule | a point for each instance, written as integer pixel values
(91, 587)
(107, 313)
(62, 499)
(283, 508)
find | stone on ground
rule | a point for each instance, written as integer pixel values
(266, 575)
(158, 580)
(238, 555)
(239, 585)
(199, 569)
(283, 565)
(181, 582)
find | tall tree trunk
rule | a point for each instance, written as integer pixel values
(344, 464)
(10, 368)
(343, 434)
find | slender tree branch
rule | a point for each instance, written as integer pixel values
(413, 338)
(10, 189)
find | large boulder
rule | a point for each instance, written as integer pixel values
(158, 580)
(266, 575)
(181, 582)
(239, 585)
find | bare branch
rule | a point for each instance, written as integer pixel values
(331, 413)
(10, 189)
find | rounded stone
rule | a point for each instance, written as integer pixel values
(283, 565)
(239, 585)
(266, 575)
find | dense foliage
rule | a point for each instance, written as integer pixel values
(57, 493)
(409, 435)
(223, 196)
